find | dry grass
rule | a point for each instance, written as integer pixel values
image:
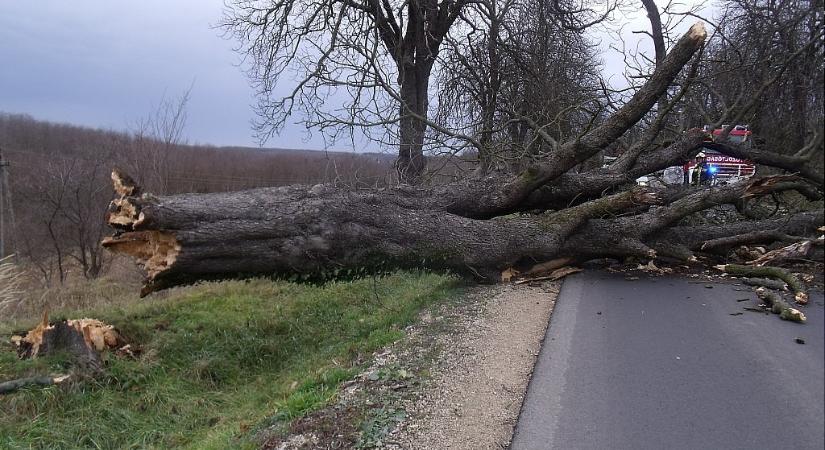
(24, 297)
(11, 278)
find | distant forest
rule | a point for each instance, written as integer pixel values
(60, 183)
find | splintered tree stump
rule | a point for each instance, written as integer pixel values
(81, 339)
(62, 337)
(47, 339)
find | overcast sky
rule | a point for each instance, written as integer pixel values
(108, 63)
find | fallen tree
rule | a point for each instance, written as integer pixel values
(477, 227)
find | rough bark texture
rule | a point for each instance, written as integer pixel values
(414, 93)
(778, 273)
(779, 306)
(63, 337)
(317, 231)
(323, 230)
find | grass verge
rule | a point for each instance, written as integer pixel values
(219, 361)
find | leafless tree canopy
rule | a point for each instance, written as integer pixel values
(514, 71)
(376, 54)
(764, 67)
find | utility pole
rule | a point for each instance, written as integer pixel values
(3, 165)
(5, 199)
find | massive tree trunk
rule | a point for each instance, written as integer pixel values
(477, 227)
(415, 81)
(319, 231)
(322, 230)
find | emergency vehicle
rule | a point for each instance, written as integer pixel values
(723, 168)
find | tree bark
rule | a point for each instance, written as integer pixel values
(411, 163)
(7, 387)
(322, 231)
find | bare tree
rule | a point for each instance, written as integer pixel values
(155, 139)
(765, 68)
(522, 70)
(379, 54)
(69, 197)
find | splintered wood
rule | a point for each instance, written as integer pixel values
(155, 251)
(555, 275)
(97, 336)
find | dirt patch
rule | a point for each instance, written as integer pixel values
(331, 427)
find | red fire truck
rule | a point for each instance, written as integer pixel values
(724, 168)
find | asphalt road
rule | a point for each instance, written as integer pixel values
(661, 363)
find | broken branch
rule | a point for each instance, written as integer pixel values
(778, 306)
(769, 272)
(8, 387)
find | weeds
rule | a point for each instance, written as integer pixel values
(378, 425)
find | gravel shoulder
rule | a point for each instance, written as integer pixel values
(480, 378)
(456, 381)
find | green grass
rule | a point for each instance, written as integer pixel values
(219, 361)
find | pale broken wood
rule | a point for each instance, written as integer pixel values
(653, 268)
(556, 275)
(34, 337)
(508, 274)
(98, 335)
(547, 267)
(124, 185)
(797, 250)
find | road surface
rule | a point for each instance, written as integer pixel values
(660, 363)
